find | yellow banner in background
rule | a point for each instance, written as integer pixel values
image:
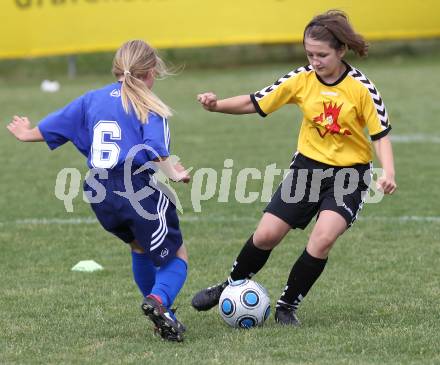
(54, 27)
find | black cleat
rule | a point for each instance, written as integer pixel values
(166, 324)
(285, 314)
(207, 298)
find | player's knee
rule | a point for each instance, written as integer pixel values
(321, 242)
(266, 238)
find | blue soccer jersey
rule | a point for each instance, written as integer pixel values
(97, 124)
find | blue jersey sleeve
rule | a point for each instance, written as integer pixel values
(64, 124)
(156, 135)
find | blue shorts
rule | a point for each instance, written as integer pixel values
(157, 232)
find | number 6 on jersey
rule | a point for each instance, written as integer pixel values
(105, 154)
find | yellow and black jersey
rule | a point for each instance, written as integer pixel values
(335, 116)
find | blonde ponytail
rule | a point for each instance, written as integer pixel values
(132, 64)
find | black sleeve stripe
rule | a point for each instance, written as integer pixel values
(379, 104)
(257, 107)
(381, 134)
(262, 93)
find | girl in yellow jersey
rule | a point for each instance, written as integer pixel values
(330, 171)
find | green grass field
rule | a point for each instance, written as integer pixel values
(376, 303)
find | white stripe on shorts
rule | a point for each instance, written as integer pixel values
(159, 235)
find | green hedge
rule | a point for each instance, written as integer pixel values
(212, 57)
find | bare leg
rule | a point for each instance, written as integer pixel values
(182, 253)
(270, 231)
(329, 226)
(136, 247)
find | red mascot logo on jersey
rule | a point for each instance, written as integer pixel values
(328, 121)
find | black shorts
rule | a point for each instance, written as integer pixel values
(311, 187)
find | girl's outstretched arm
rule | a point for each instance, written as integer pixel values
(241, 104)
(20, 127)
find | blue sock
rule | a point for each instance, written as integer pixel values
(169, 280)
(144, 272)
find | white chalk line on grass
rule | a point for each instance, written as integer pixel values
(414, 138)
(207, 218)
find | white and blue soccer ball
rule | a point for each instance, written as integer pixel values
(244, 304)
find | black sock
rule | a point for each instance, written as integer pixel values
(303, 275)
(249, 261)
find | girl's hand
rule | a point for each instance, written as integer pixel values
(208, 101)
(183, 175)
(386, 184)
(20, 127)
(173, 170)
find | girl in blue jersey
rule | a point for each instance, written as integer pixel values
(122, 129)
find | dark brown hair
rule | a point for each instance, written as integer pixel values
(333, 27)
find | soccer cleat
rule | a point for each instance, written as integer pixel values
(207, 298)
(285, 314)
(165, 322)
